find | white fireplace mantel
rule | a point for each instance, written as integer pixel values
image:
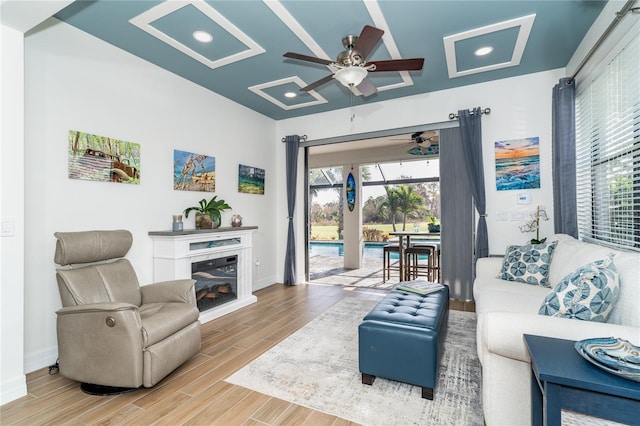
(174, 252)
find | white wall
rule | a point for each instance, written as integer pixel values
(76, 82)
(12, 376)
(520, 108)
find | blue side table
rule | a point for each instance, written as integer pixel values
(561, 378)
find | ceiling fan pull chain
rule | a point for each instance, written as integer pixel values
(353, 111)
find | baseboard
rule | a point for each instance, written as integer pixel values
(12, 389)
(263, 283)
(41, 359)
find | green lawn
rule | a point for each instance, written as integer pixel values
(330, 232)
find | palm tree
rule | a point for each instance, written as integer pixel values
(391, 205)
(409, 202)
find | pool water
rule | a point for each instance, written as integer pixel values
(370, 250)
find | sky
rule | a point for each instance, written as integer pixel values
(518, 148)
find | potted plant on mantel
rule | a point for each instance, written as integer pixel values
(208, 213)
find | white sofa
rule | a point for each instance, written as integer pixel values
(506, 310)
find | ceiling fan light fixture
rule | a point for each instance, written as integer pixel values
(351, 76)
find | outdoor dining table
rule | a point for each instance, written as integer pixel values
(402, 245)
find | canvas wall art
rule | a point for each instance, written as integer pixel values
(193, 172)
(250, 180)
(518, 164)
(101, 158)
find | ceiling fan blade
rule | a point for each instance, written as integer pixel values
(301, 57)
(414, 64)
(367, 88)
(317, 83)
(367, 40)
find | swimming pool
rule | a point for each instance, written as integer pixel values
(334, 248)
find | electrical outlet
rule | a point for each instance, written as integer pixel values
(257, 262)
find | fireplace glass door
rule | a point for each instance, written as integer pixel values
(216, 281)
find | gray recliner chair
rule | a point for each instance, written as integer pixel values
(113, 334)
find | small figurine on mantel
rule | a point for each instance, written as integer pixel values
(236, 220)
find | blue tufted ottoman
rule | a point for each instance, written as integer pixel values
(402, 339)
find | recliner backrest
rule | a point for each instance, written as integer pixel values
(94, 275)
(108, 282)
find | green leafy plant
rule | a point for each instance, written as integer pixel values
(213, 208)
(434, 224)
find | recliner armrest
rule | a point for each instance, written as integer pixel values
(97, 307)
(101, 343)
(170, 291)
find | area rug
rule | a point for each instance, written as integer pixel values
(317, 367)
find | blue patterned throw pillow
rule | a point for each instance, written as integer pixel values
(528, 264)
(589, 293)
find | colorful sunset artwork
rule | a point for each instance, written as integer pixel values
(518, 164)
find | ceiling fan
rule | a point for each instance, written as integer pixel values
(423, 145)
(351, 68)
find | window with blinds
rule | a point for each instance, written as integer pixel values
(608, 153)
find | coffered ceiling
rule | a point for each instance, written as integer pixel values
(244, 59)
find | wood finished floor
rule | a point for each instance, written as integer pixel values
(196, 393)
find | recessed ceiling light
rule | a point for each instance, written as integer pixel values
(483, 51)
(290, 95)
(202, 36)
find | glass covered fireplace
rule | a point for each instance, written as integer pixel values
(216, 281)
(218, 259)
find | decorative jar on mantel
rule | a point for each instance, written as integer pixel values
(205, 221)
(208, 213)
(236, 221)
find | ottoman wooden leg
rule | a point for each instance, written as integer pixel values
(427, 393)
(367, 379)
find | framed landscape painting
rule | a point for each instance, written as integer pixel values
(518, 164)
(250, 180)
(193, 172)
(101, 158)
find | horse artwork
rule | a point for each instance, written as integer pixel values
(351, 192)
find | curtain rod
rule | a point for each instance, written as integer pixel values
(303, 137)
(628, 7)
(454, 116)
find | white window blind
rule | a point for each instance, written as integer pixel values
(608, 153)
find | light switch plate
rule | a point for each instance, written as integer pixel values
(518, 215)
(8, 228)
(502, 216)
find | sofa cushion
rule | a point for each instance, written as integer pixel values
(495, 294)
(529, 263)
(589, 293)
(572, 253)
